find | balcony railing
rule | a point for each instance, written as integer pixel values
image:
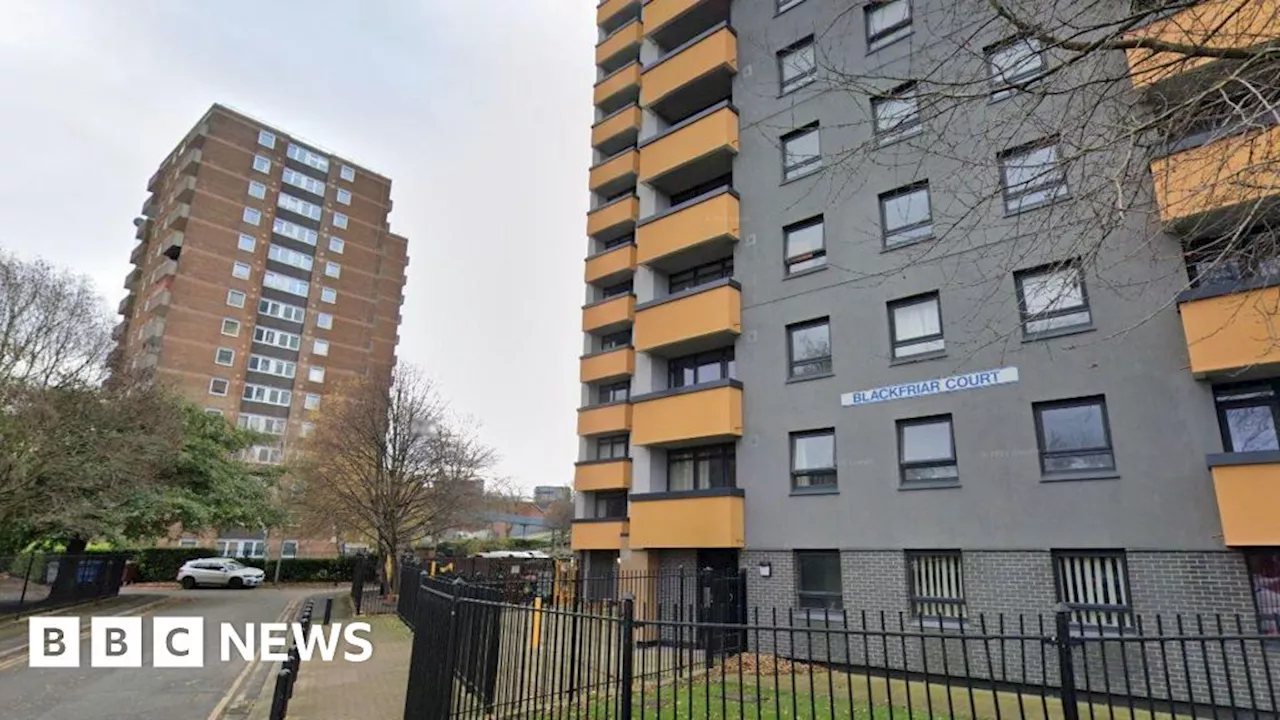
(1231, 329)
(608, 365)
(691, 152)
(606, 534)
(616, 262)
(609, 313)
(1198, 186)
(1217, 24)
(693, 519)
(706, 315)
(706, 412)
(596, 475)
(701, 222)
(604, 419)
(1247, 486)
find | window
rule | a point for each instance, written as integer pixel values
(1264, 578)
(261, 423)
(1247, 416)
(339, 220)
(241, 270)
(1013, 63)
(328, 295)
(332, 269)
(801, 152)
(307, 429)
(897, 115)
(267, 454)
(701, 368)
(915, 324)
(272, 366)
(611, 504)
(282, 254)
(347, 173)
(302, 181)
(344, 196)
(906, 215)
(809, 348)
(804, 245)
(230, 327)
(1073, 436)
(289, 549)
(266, 139)
(813, 459)
(267, 395)
(224, 356)
(251, 216)
(308, 158)
(616, 340)
(701, 468)
(700, 275)
(611, 448)
(336, 245)
(299, 206)
(619, 242)
(187, 542)
(321, 347)
(295, 231)
(615, 392)
(278, 338)
(1032, 176)
(936, 585)
(275, 309)
(246, 243)
(609, 291)
(261, 164)
(818, 585)
(1095, 585)
(1052, 298)
(324, 321)
(1236, 258)
(311, 401)
(218, 386)
(284, 283)
(797, 65)
(887, 22)
(315, 374)
(257, 190)
(927, 451)
(236, 298)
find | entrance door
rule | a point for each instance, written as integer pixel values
(722, 601)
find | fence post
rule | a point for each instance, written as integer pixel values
(279, 699)
(328, 610)
(627, 686)
(1066, 667)
(26, 578)
(573, 643)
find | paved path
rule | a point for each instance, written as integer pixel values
(144, 693)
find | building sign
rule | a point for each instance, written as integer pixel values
(967, 381)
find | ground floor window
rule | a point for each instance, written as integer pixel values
(1264, 578)
(937, 585)
(1095, 585)
(187, 543)
(818, 583)
(242, 548)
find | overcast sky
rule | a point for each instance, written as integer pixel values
(480, 113)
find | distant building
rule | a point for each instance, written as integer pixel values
(544, 495)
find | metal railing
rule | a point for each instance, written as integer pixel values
(287, 675)
(34, 582)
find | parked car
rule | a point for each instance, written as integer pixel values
(219, 572)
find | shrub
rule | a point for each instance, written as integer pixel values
(338, 569)
(161, 564)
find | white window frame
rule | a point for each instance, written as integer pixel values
(344, 196)
(240, 295)
(267, 139)
(261, 164)
(267, 395)
(241, 271)
(324, 321)
(277, 338)
(285, 283)
(320, 347)
(272, 366)
(315, 374)
(311, 402)
(337, 244)
(226, 386)
(251, 216)
(308, 157)
(347, 173)
(295, 231)
(332, 269)
(257, 190)
(234, 323)
(299, 206)
(293, 258)
(302, 181)
(340, 220)
(247, 243)
(262, 423)
(217, 356)
(282, 310)
(328, 295)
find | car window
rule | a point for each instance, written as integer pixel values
(233, 565)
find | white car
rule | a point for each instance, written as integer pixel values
(219, 572)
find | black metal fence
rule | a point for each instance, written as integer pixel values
(370, 594)
(287, 675)
(476, 655)
(35, 582)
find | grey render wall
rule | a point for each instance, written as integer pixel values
(1162, 421)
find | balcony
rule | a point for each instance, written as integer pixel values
(618, 131)
(149, 206)
(691, 152)
(1229, 333)
(609, 314)
(595, 475)
(604, 419)
(615, 174)
(173, 245)
(125, 307)
(189, 163)
(132, 278)
(612, 264)
(1207, 185)
(185, 189)
(692, 76)
(143, 226)
(1218, 24)
(618, 89)
(608, 365)
(1247, 486)
(177, 219)
(703, 317)
(671, 23)
(598, 534)
(694, 519)
(707, 412)
(693, 232)
(620, 47)
(613, 14)
(135, 255)
(614, 219)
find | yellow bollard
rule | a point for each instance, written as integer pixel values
(536, 640)
(433, 568)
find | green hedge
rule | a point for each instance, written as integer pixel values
(337, 569)
(161, 564)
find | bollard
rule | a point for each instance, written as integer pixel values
(328, 610)
(294, 663)
(279, 698)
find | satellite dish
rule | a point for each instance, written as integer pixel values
(138, 221)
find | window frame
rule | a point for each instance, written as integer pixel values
(241, 270)
(294, 231)
(600, 505)
(612, 337)
(252, 216)
(782, 6)
(315, 374)
(1255, 560)
(285, 553)
(1037, 410)
(316, 346)
(332, 269)
(1053, 191)
(1019, 278)
(608, 389)
(813, 164)
(234, 323)
(337, 245)
(218, 353)
(284, 397)
(699, 455)
(786, 86)
(789, 261)
(343, 196)
(347, 173)
(324, 320)
(298, 206)
(244, 298)
(911, 126)
(1003, 89)
(261, 163)
(889, 35)
(727, 360)
(907, 232)
(612, 442)
(895, 344)
(285, 311)
(826, 363)
(328, 295)
(341, 220)
(818, 600)
(267, 139)
(290, 257)
(257, 190)
(1221, 407)
(249, 240)
(272, 337)
(311, 401)
(226, 386)
(302, 181)
(919, 602)
(1122, 613)
(699, 275)
(830, 475)
(904, 466)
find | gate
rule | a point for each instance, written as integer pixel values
(722, 601)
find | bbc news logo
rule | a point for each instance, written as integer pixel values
(179, 642)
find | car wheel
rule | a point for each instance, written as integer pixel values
(188, 583)
(236, 583)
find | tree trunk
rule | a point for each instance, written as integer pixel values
(64, 586)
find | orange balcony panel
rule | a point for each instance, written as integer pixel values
(604, 419)
(619, 214)
(708, 312)
(1218, 24)
(709, 412)
(595, 475)
(715, 132)
(607, 365)
(718, 52)
(699, 519)
(1216, 176)
(617, 128)
(613, 262)
(618, 171)
(625, 39)
(702, 221)
(614, 311)
(1233, 332)
(598, 534)
(657, 13)
(622, 80)
(1248, 494)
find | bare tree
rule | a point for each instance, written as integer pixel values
(559, 519)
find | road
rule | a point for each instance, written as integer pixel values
(145, 693)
